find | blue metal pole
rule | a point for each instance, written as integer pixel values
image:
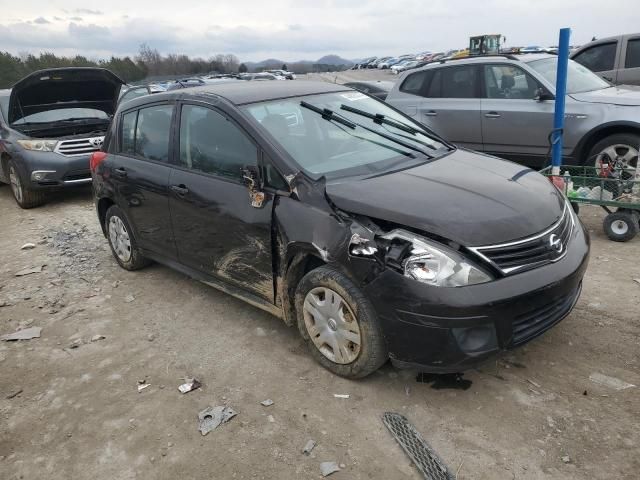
(561, 93)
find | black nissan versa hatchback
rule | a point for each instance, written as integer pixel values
(51, 122)
(337, 213)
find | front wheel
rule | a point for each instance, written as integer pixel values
(621, 226)
(621, 148)
(24, 197)
(339, 324)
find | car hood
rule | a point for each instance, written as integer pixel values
(470, 198)
(57, 88)
(626, 95)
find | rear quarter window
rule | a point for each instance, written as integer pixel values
(414, 83)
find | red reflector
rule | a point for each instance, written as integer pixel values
(96, 159)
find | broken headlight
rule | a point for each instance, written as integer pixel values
(434, 264)
(40, 145)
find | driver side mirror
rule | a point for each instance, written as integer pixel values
(542, 95)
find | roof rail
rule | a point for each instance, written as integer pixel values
(504, 55)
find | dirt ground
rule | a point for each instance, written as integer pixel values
(79, 415)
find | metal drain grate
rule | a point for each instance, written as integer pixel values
(416, 447)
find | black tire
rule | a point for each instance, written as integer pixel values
(373, 351)
(630, 140)
(136, 260)
(620, 226)
(24, 197)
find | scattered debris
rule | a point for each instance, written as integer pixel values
(611, 382)
(444, 380)
(143, 386)
(29, 271)
(189, 385)
(342, 465)
(25, 334)
(637, 280)
(260, 332)
(151, 337)
(211, 417)
(341, 395)
(417, 449)
(537, 385)
(310, 445)
(28, 246)
(407, 390)
(14, 394)
(271, 419)
(327, 468)
(97, 338)
(115, 284)
(566, 459)
(129, 299)
(76, 343)
(266, 403)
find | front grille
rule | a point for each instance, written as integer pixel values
(541, 249)
(529, 325)
(79, 146)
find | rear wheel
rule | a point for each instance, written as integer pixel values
(339, 324)
(621, 226)
(621, 147)
(121, 240)
(24, 197)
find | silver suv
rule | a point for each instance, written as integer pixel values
(504, 105)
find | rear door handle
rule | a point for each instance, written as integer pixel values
(492, 115)
(179, 190)
(430, 113)
(120, 172)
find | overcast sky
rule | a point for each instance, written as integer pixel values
(299, 29)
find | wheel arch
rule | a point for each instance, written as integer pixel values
(599, 133)
(103, 205)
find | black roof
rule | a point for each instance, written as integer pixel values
(243, 92)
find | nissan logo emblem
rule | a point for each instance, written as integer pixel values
(555, 243)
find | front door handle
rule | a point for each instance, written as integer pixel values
(492, 115)
(609, 79)
(120, 172)
(430, 113)
(179, 190)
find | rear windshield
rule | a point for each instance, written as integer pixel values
(325, 147)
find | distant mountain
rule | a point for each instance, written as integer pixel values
(275, 63)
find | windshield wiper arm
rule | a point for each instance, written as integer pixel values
(381, 119)
(328, 115)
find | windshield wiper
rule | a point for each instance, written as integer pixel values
(331, 115)
(382, 119)
(328, 115)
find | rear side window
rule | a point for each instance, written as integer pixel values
(632, 59)
(211, 143)
(129, 132)
(459, 82)
(153, 131)
(414, 83)
(599, 58)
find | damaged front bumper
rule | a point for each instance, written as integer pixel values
(450, 329)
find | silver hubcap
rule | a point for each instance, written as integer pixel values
(119, 238)
(332, 326)
(625, 154)
(619, 227)
(16, 187)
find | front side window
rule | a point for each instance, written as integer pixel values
(334, 149)
(459, 82)
(211, 143)
(508, 82)
(599, 58)
(153, 130)
(632, 60)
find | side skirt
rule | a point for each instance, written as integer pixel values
(214, 282)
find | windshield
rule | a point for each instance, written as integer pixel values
(579, 78)
(63, 114)
(332, 148)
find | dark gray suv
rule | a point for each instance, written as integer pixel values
(504, 105)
